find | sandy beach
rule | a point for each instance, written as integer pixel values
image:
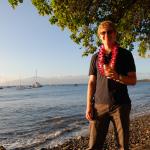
(139, 137)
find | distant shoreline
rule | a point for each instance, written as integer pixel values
(144, 80)
(63, 84)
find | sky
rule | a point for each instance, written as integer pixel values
(28, 42)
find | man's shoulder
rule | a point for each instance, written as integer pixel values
(94, 56)
(124, 51)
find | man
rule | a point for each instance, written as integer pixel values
(111, 70)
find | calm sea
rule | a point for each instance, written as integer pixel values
(43, 117)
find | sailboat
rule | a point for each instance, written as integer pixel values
(36, 84)
(20, 87)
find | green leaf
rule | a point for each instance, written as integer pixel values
(132, 19)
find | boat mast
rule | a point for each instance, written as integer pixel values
(36, 75)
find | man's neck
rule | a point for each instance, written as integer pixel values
(108, 48)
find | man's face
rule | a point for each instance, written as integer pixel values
(108, 36)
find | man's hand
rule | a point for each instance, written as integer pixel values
(89, 113)
(111, 73)
(90, 96)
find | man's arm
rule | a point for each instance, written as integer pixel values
(90, 94)
(130, 79)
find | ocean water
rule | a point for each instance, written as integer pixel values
(44, 117)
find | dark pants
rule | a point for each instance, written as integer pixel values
(119, 115)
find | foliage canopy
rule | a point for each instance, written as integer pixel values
(82, 17)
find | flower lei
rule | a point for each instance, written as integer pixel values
(101, 60)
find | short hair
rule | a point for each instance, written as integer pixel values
(106, 24)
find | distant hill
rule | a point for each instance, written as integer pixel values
(69, 80)
(53, 80)
(82, 79)
(143, 76)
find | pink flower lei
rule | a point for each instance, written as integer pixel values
(101, 60)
